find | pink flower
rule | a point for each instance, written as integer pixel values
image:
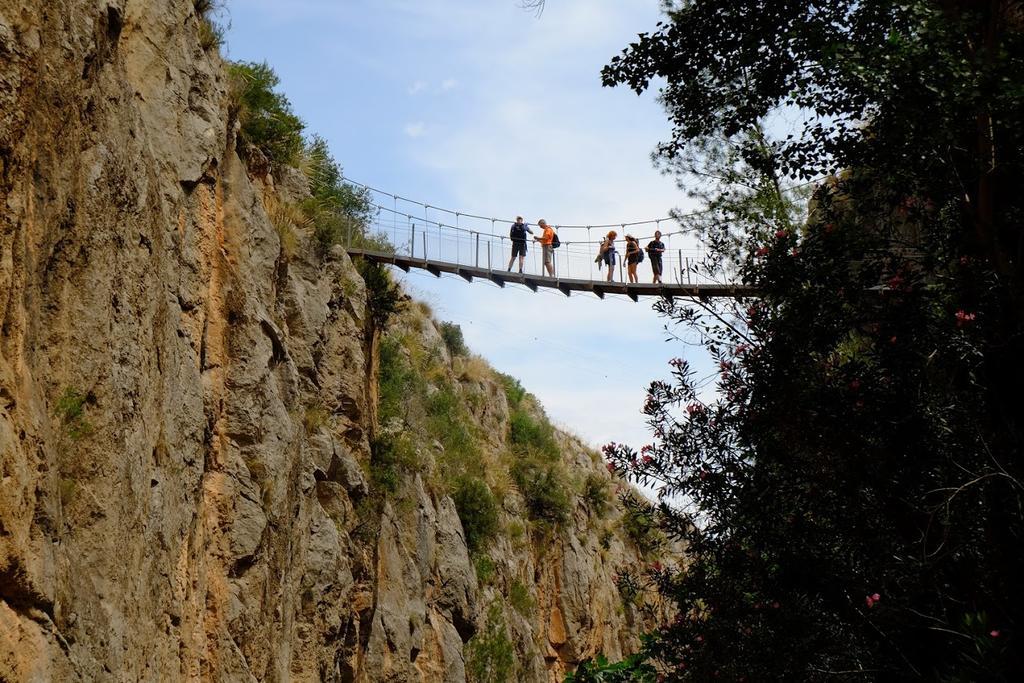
(611, 467)
(994, 633)
(780, 233)
(647, 460)
(656, 566)
(872, 599)
(794, 252)
(963, 318)
(694, 408)
(775, 605)
(763, 251)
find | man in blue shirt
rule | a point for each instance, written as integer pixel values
(518, 236)
(655, 249)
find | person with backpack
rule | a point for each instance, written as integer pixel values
(517, 233)
(606, 254)
(547, 244)
(655, 249)
(634, 255)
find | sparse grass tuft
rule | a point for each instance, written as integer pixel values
(211, 34)
(520, 599)
(314, 417)
(67, 490)
(425, 309)
(596, 494)
(71, 411)
(288, 220)
(490, 655)
(473, 369)
(484, 569)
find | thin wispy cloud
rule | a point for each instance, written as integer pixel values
(417, 87)
(415, 130)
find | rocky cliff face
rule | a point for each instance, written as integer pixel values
(188, 488)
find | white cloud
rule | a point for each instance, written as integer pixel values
(417, 87)
(415, 130)
(449, 84)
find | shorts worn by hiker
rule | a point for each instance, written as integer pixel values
(549, 254)
(518, 248)
(609, 257)
(656, 264)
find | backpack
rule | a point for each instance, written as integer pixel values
(555, 242)
(518, 231)
(640, 258)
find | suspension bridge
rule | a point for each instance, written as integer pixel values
(411, 234)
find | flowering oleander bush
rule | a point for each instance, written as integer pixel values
(851, 494)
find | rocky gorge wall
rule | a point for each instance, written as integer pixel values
(186, 412)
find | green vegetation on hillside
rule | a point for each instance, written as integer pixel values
(266, 120)
(490, 655)
(417, 391)
(271, 133)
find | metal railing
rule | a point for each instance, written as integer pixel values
(479, 242)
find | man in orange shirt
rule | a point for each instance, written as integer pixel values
(545, 244)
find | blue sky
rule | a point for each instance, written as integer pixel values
(482, 107)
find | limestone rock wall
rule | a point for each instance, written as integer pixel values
(168, 508)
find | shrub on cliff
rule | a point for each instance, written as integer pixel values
(478, 511)
(453, 339)
(265, 116)
(339, 212)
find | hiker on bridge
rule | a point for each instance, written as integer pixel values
(607, 253)
(655, 249)
(633, 256)
(517, 233)
(547, 246)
